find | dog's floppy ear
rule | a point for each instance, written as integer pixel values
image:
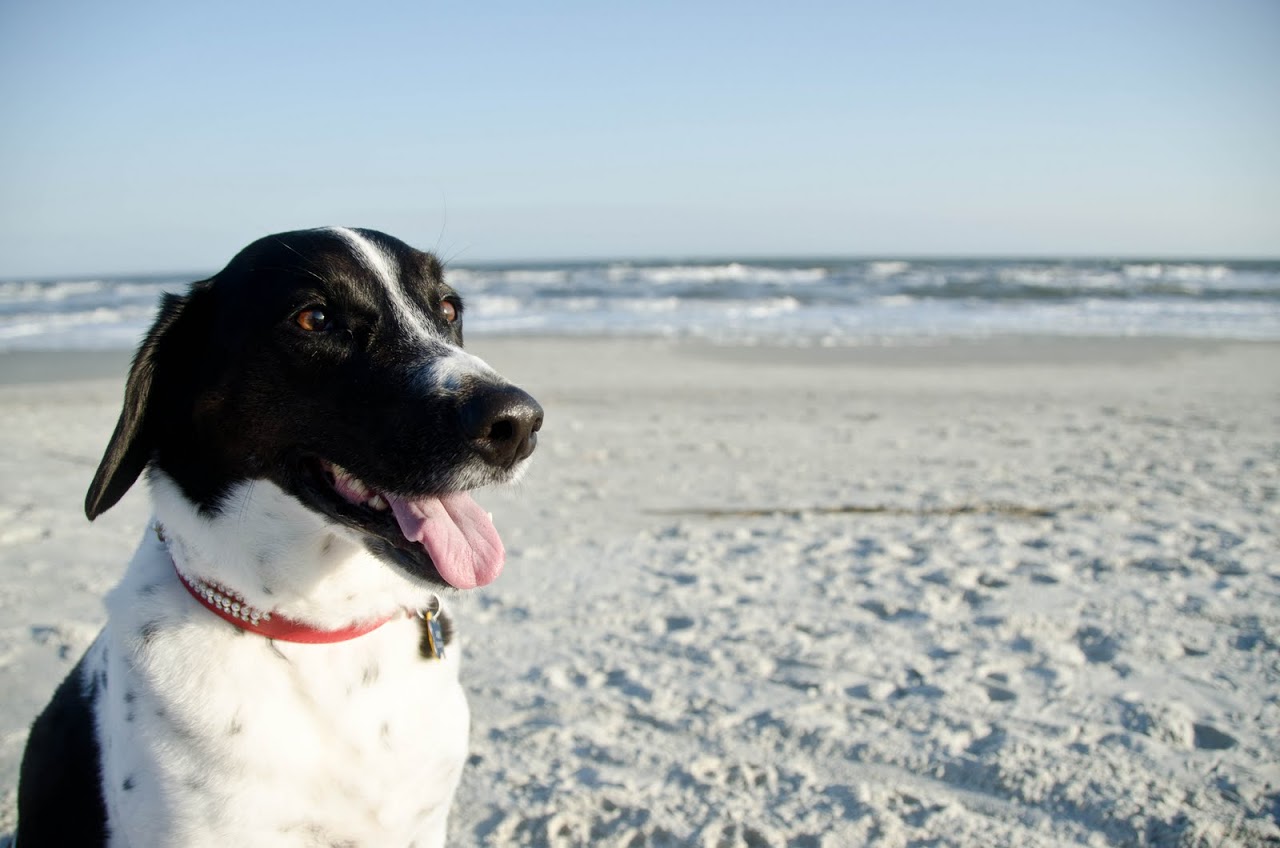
(132, 444)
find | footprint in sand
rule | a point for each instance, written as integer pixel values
(996, 685)
(1096, 644)
(1209, 738)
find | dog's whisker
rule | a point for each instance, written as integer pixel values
(245, 499)
(444, 222)
(307, 262)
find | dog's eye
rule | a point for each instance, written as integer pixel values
(449, 310)
(313, 319)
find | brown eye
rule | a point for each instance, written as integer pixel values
(313, 319)
(449, 311)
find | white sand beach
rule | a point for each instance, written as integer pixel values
(1020, 592)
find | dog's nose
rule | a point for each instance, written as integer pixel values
(502, 424)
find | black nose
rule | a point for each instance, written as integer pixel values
(501, 423)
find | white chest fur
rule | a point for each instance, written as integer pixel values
(214, 736)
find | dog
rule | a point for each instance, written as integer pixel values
(276, 668)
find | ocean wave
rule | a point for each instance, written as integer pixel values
(884, 269)
(489, 304)
(733, 272)
(1070, 283)
(762, 308)
(92, 329)
(483, 279)
(836, 301)
(1182, 272)
(31, 291)
(1053, 278)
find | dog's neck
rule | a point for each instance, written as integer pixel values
(280, 556)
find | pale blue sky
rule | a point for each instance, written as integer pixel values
(158, 136)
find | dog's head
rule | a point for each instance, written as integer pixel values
(330, 363)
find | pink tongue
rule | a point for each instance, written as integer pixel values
(457, 533)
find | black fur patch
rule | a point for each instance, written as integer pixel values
(148, 632)
(59, 791)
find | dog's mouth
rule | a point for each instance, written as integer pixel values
(446, 536)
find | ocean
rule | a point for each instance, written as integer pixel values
(828, 302)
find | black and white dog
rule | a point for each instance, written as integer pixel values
(273, 671)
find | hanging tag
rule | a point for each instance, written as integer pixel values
(432, 646)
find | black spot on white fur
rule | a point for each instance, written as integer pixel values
(99, 685)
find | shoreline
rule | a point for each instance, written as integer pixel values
(24, 367)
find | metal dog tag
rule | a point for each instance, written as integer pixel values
(432, 646)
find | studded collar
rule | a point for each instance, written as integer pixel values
(231, 606)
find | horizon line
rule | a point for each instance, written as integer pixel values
(720, 259)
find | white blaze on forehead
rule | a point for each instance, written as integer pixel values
(370, 254)
(384, 268)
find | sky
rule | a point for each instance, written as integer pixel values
(151, 137)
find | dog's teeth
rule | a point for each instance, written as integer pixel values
(378, 502)
(360, 490)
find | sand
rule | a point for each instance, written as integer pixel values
(1019, 592)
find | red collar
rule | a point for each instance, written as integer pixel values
(232, 607)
